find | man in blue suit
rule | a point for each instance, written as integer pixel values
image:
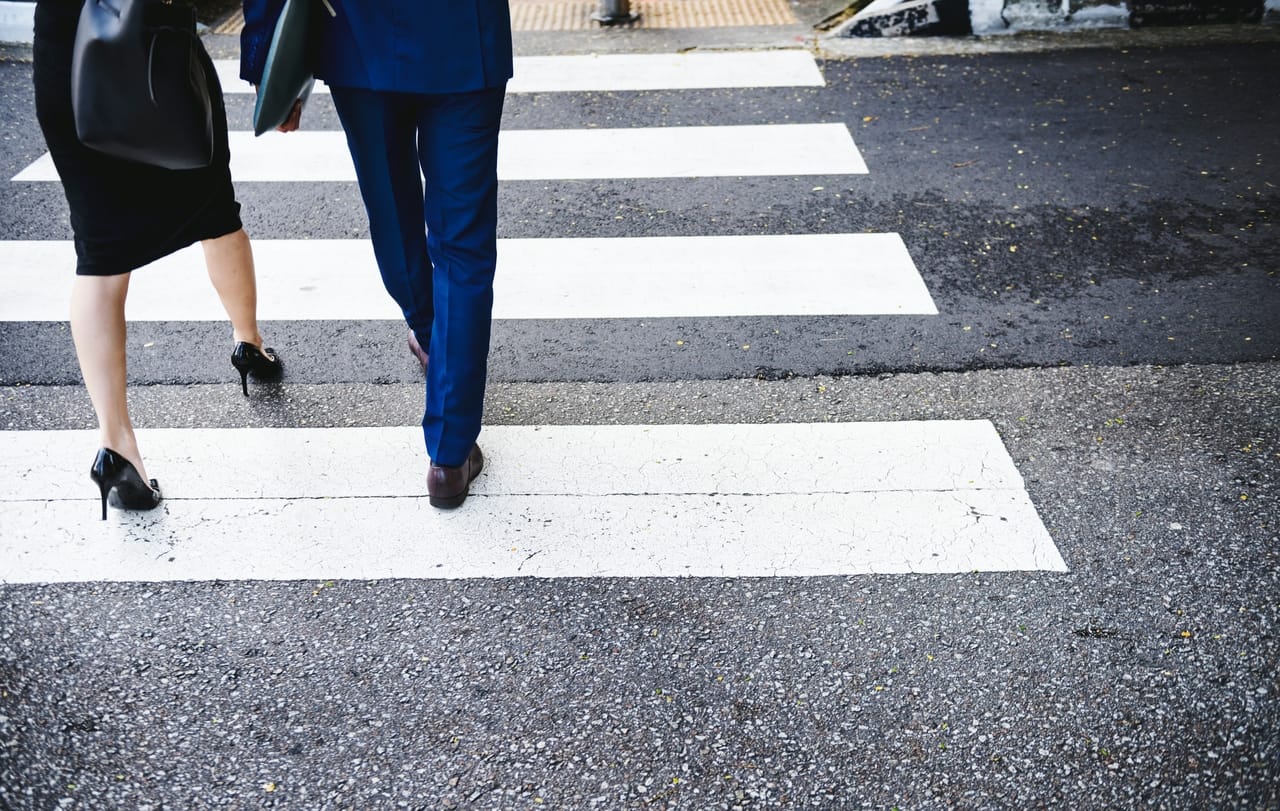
(419, 87)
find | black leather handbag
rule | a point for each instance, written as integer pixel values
(139, 89)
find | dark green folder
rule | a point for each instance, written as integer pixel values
(287, 75)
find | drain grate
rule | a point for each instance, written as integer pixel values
(575, 15)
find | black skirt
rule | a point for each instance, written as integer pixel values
(124, 214)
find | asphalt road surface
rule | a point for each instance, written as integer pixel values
(944, 477)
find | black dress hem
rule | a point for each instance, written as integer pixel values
(124, 214)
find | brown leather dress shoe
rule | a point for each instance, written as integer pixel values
(417, 350)
(447, 487)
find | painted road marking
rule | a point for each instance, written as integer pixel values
(637, 277)
(567, 501)
(573, 154)
(622, 72)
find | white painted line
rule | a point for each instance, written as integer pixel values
(687, 71)
(643, 152)
(653, 152)
(526, 536)
(622, 72)
(639, 277)
(586, 501)
(17, 22)
(596, 460)
(228, 71)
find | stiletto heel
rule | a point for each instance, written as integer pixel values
(118, 482)
(103, 489)
(263, 364)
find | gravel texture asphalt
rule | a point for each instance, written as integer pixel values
(1094, 206)
(1144, 677)
(1126, 352)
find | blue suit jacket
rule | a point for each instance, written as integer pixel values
(408, 46)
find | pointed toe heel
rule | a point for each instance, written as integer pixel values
(263, 364)
(120, 484)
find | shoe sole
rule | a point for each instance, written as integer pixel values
(452, 502)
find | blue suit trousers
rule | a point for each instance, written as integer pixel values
(428, 171)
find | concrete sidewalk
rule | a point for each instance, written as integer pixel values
(547, 27)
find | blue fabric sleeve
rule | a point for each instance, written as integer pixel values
(260, 18)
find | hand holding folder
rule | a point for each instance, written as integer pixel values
(287, 77)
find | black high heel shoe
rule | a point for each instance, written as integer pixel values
(118, 480)
(248, 360)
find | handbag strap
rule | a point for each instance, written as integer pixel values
(151, 55)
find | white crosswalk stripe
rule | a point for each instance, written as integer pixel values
(648, 277)
(588, 501)
(686, 500)
(640, 152)
(622, 72)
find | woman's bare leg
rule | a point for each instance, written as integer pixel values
(229, 259)
(98, 328)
